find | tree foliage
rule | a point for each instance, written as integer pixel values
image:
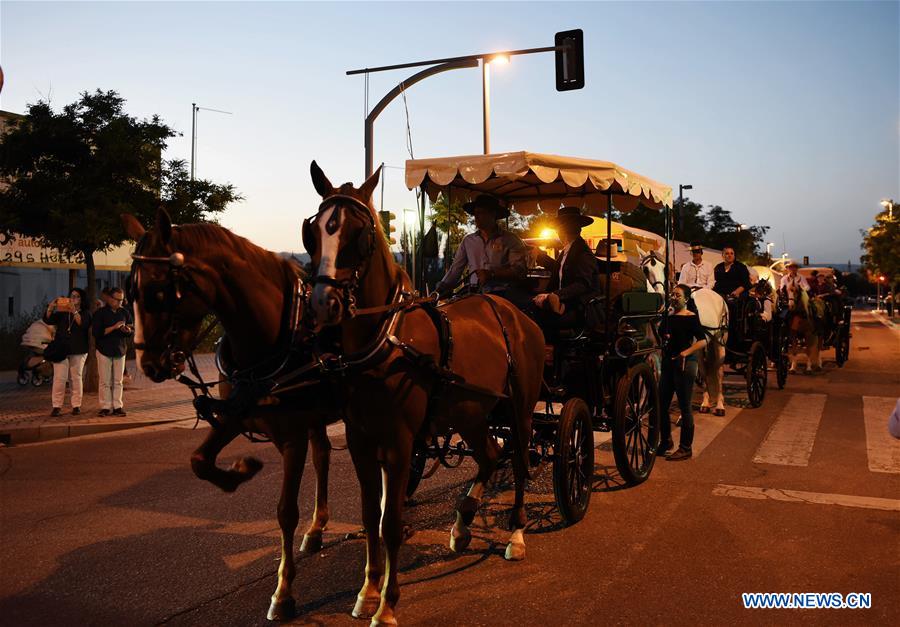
(70, 174)
(881, 244)
(714, 228)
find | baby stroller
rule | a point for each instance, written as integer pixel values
(34, 368)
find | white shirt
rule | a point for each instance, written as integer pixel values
(562, 259)
(797, 281)
(697, 275)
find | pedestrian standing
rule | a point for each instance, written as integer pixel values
(72, 320)
(112, 327)
(685, 338)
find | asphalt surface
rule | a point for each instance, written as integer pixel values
(114, 529)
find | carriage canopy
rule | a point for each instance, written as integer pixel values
(530, 182)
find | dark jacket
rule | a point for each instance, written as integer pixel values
(580, 275)
(75, 335)
(727, 282)
(111, 344)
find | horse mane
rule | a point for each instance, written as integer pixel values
(207, 236)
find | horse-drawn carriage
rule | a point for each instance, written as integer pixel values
(599, 376)
(833, 314)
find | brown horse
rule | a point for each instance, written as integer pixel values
(804, 340)
(182, 273)
(394, 388)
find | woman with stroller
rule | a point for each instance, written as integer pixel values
(72, 320)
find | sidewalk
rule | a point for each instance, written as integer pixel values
(25, 410)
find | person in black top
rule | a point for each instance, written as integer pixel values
(72, 320)
(732, 277)
(684, 339)
(112, 327)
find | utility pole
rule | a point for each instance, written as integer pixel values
(194, 110)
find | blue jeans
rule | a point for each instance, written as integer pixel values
(679, 382)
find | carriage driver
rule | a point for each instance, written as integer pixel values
(697, 273)
(793, 279)
(732, 278)
(496, 258)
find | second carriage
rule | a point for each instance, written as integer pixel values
(600, 376)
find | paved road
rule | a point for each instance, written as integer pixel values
(800, 495)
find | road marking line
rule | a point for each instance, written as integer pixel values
(882, 449)
(707, 427)
(790, 440)
(798, 496)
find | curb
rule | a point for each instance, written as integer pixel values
(14, 436)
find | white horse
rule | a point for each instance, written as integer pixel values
(713, 314)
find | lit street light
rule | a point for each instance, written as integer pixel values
(889, 205)
(500, 59)
(769, 247)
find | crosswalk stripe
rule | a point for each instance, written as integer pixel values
(799, 496)
(882, 449)
(707, 427)
(790, 440)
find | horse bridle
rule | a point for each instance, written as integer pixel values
(347, 285)
(651, 258)
(166, 300)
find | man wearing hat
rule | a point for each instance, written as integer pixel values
(575, 275)
(697, 273)
(792, 278)
(496, 258)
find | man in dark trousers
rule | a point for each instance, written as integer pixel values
(575, 277)
(112, 327)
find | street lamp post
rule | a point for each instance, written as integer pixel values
(194, 110)
(769, 247)
(889, 205)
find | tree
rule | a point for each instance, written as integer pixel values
(882, 249)
(451, 221)
(71, 174)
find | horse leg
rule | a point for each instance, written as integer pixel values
(706, 364)
(203, 460)
(395, 476)
(515, 549)
(485, 456)
(321, 453)
(365, 461)
(293, 455)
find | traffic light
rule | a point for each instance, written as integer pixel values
(569, 60)
(385, 218)
(805, 260)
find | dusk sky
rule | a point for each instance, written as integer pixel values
(787, 114)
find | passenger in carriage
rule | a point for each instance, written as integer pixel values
(684, 339)
(762, 294)
(697, 273)
(496, 259)
(575, 278)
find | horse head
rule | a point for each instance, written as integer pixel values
(343, 240)
(654, 269)
(171, 291)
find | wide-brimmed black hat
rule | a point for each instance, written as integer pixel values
(572, 215)
(487, 202)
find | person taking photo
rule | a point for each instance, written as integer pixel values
(112, 327)
(72, 320)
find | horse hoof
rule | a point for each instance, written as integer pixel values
(382, 620)
(282, 610)
(719, 412)
(365, 606)
(459, 540)
(247, 466)
(515, 551)
(311, 543)
(704, 410)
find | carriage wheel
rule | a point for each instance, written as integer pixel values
(636, 424)
(23, 377)
(756, 374)
(573, 462)
(417, 466)
(37, 379)
(842, 347)
(782, 360)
